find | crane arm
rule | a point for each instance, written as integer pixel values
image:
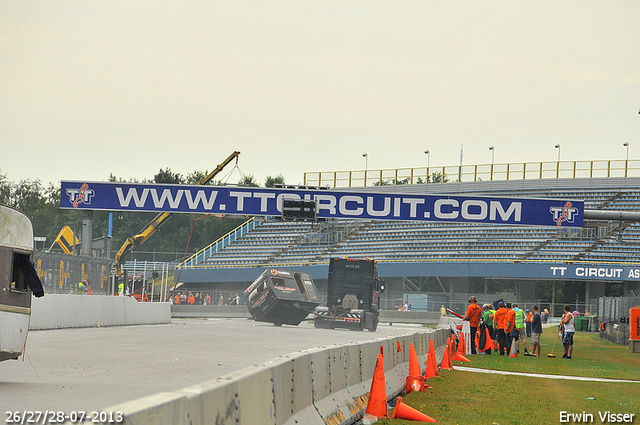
(160, 219)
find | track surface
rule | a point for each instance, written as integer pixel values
(93, 368)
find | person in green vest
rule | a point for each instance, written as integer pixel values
(487, 320)
(521, 327)
(79, 289)
(121, 289)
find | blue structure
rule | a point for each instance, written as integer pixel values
(411, 252)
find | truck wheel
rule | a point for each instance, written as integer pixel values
(374, 325)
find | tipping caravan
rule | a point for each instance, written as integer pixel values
(18, 280)
(282, 297)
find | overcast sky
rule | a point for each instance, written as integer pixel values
(89, 88)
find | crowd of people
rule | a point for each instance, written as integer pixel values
(189, 298)
(509, 326)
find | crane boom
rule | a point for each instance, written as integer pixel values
(162, 218)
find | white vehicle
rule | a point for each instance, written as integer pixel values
(18, 279)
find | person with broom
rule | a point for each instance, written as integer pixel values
(568, 321)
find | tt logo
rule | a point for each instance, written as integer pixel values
(80, 196)
(565, 213)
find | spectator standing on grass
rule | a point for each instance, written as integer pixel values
(499, 318)
(509, 326)
(545, 316)
(474, 312)
(536, 331)
(528, 322)
(568, 321)
(520, 328)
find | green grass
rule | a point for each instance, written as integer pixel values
(460, 397)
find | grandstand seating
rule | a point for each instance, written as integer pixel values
(280, 243)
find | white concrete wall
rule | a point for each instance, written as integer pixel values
(55, 311)
(318, 386)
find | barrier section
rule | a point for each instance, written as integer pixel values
(328, 385)
(214, 401)
(56, 311)
(158, 409)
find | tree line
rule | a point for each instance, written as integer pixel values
(42, 204)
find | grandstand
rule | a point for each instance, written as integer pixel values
(414, 251)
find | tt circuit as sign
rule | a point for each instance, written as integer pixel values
(253, 201)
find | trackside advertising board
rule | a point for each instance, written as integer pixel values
(255, 201)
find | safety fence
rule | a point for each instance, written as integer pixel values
(616, 309)
(328, 385)
(478, 172)
(618, 333)
(60, 273)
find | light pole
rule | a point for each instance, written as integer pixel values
(493, 155)
(626, 162)
(558, 164)
(366, 166)
(428, 160)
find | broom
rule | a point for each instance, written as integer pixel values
(553, 356)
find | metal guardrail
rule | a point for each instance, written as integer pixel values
(415, 260)
(481, 172)
(216, 246)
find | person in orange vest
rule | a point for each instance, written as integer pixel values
(473, 317)
(510, 324)
(191, 299)
(499, 320)
(528, 322)
(176, 299)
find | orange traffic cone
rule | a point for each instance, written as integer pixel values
(477, 337)
(415, 380)
(402, 411)
(377, 404)
(462, 345)
(446, 361)
(414, 383)
(489, 342)
(460, 358)
(414, 365)
(432, 363)
(512, 351)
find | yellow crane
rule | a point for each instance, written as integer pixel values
(160, 219)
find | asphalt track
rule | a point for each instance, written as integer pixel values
(89, 369)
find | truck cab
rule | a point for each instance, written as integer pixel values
(353, 295)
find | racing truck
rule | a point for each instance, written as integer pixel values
(353, 296)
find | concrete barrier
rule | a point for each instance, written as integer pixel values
(55, 311)
(235, 311)
(328, 385)
(221, 311)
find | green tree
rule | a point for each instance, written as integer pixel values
(439, 178)
(271, 181)
(248, 180)
(168, 176)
